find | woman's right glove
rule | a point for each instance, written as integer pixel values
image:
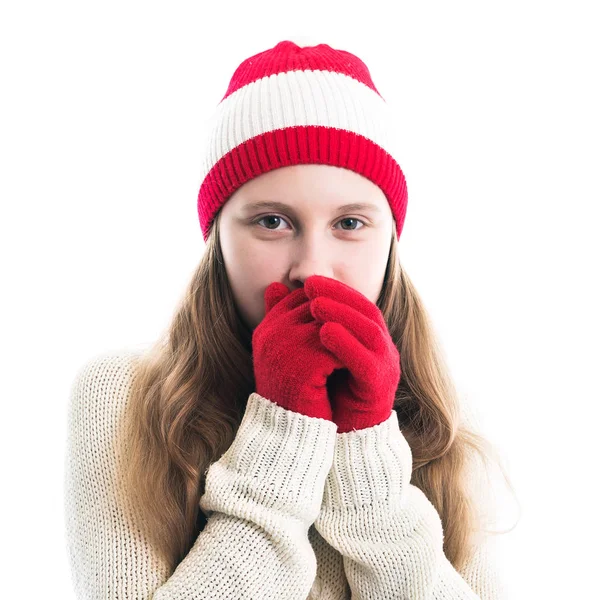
(291, 365)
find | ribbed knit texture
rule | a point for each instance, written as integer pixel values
(296, 511)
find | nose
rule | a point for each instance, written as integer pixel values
(313, 255)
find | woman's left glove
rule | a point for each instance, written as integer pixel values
(354, 330)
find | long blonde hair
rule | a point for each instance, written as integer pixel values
(190, 389)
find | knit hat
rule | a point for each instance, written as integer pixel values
(293, 105)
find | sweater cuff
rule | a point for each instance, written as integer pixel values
(371, 466)
(278, 460)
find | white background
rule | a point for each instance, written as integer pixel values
(103, 106)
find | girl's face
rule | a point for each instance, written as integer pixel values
(308, 234)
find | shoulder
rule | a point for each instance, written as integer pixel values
(99, 392)
(104, 373)
(103, 367)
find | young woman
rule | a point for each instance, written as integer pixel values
(296, 433)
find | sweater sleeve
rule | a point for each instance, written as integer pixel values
(388, 532)
(260, 497)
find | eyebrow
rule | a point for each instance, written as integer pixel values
(274, 205)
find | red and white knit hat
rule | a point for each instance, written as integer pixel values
(294, 105)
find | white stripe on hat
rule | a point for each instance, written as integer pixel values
(296, 98)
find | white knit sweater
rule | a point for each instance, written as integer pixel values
(295, 510)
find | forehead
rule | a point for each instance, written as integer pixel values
(329, 185)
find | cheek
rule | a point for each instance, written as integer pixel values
(365, 270)
(260, 262)
(250, 272)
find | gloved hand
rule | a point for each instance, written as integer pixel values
(291, 365)
(354, 330)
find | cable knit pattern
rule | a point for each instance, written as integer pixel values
(291, 505)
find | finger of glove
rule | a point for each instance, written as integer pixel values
(282, 324)
(318, 285)
(365, 330)
(300, 327)
(277, 301)
(274, 293)
(296, 315)
(359, 360)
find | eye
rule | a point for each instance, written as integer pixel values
(257, 221)
(353, 219)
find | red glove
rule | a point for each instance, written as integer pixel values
(353, 329)
(291, 365)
